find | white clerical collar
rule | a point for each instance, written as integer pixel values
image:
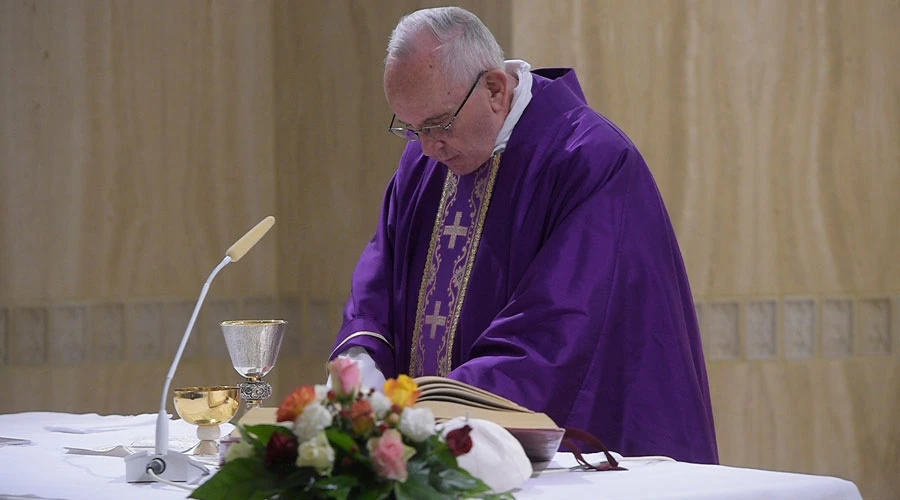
(521, 98)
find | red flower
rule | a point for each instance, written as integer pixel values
(458, 440)
(281, 450)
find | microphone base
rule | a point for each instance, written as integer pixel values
(172, 466)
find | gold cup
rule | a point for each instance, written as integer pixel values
(207, 407)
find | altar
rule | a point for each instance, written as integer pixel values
(79, 456)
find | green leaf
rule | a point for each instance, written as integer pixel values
(264, 431)
(496, 496)
(426, 446)
(377, 491)
(416, 490)
(239, 479)
(450, 480)
(490, 496)
(417, 486)
(251, 439)
(264, 494)
(337, 487)
(302, 478)
(342, 441)
(446, 457)
(258, 435)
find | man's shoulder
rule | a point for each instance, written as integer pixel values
(578, 132)
(554, 73)
(557, 88)
(578, 147)
(559, 103)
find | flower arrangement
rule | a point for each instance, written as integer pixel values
(348, 442)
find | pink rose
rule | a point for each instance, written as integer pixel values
(389, 455)
(344, 375)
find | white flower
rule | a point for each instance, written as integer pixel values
(241, 449)
(318, 453)
(314, 419)
(381, 404)
(417, 423)
(321, 392)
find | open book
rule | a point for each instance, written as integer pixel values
(447, 398)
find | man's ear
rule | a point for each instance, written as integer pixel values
(498, 84)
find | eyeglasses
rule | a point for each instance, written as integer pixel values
(404, 131)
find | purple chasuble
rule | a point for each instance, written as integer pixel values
(576, 302)
(451, 253)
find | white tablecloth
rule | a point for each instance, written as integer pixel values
(44, 468)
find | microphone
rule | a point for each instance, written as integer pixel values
(166, 465)
(243, 245)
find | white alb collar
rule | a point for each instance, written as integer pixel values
(521, 98)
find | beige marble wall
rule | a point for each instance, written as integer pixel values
(136, 144)
(139, 139)
(772, 129)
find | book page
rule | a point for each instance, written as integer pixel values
(445, 410)
(440, 388)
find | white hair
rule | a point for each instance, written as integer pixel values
(465, 46)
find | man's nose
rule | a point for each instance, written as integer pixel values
(431, 146)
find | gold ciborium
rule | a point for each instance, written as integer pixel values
(207, 407)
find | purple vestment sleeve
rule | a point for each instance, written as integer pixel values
(368, 308)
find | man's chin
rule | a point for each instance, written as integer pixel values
(459, 166)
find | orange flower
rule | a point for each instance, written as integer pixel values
(402, 391)
(362, 417)
(295, 402)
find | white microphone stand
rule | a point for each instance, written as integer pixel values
(162, 463)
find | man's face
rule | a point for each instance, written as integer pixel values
(420, 96)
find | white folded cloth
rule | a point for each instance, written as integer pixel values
(182, 439)
(496, 457)
(11, 441)
(106, 451)
(109, 424)
(177, 444)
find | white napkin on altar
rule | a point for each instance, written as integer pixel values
(496, 457)
(106, 424)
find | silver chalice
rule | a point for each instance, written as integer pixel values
(253, 345)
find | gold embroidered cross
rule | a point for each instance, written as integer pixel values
(455, 230)
(435, 319)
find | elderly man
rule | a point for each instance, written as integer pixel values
(523, 247)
